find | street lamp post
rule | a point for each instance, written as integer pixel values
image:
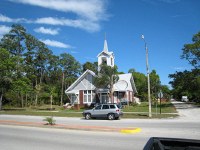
(148, 79)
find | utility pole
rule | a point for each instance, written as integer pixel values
(148, 78)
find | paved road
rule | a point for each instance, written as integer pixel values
(185, 126)
(27, 138)
(187, 111)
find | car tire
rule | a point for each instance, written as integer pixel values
(87, 116)
(118, 118)
(111, 116)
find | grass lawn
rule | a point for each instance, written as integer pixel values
(137, 111)
(166, 107)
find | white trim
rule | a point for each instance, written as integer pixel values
(73, 92)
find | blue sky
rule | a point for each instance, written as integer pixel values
(78, 27)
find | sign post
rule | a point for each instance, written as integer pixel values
(160, 96)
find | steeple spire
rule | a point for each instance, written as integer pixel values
(105, 48)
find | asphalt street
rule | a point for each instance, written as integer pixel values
(26, 138)
(20, 137)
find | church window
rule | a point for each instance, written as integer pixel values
(88, 96)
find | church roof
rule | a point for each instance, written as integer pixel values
(71, 88)
(125, 82)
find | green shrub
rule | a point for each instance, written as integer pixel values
(50, 120)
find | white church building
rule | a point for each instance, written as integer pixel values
(83, 91)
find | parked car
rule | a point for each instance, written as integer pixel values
(109, 111)
(184, 99)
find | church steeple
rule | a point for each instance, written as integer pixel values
(106, 57)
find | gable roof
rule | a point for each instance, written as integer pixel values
(70, 88)
(125, 82)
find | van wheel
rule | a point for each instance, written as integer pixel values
(88, 116)
(111, 116)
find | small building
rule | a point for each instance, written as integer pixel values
(84, 92)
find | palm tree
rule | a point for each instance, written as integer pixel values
(106, 78)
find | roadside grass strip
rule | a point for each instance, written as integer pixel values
(131, 130)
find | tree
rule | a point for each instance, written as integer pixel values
(191, 52)
(41, 60)
(70, 68)
(90, 66)
(155, 83)
(140, 83)
(52, 92)
(132, 70)
(186, 83)
(166, 91)
(21, 87)
(30, 56)
(69, 65)
(14, 43)
(7, 65)
(106, 78)
(37, 90)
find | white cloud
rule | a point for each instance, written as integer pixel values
(47, 30)
(7, 19)
(78, 23)
(4, 30)
(88, 13)
(56, 43)
(82, 24)
(93, 10)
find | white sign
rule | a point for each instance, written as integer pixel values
(160, 94)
